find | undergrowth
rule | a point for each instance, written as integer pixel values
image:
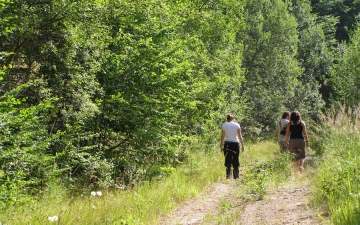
(262, 168)
(142, 204)
(337, 182)
(150, 201)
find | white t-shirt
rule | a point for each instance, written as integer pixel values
(283, 122)
(231, 129)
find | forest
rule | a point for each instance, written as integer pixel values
(101, 94)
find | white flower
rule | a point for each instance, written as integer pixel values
(94, 207)
(53, 218)
(96, 193)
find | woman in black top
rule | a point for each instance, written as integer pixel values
(296, 129)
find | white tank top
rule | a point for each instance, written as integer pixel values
(231, 129)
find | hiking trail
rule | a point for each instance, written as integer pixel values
(288, 204)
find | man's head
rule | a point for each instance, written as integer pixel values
(286, 115)
(229, 117)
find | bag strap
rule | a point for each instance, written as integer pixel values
(281, 128)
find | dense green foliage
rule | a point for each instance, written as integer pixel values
(346, 13)
(346, 73)
(271, 69)
(337, 180)
(103, 94)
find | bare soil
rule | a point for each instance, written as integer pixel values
(282, 206)
(289, 204)
(194, 210)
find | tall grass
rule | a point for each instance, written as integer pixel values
(338, 178)
(265, 168)
(148, 202)
(143, 204)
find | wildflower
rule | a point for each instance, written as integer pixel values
(94, 207)
(93, 193)
(99, 193)
(53, 218)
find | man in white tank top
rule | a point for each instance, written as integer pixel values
(229, 145)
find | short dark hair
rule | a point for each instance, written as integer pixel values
(285, 114)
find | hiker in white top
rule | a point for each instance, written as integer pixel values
(229, 145)
(281, 130)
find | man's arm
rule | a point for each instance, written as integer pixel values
(241, 139)
(222, 141)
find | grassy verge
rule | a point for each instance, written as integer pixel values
(144, 204)
(262, 168)
(337, 183)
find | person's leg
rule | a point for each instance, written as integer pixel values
(228, 165)
(236, 165)
(293, 151)
(282, 145)
(236, 172)
(301, 153)
(301, 163)
(228, 172)
(228, 159)
(235, 160)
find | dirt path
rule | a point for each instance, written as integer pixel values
(282, 206)
(288, 204)
(194, 210)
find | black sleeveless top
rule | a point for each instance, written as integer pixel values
(296, 131)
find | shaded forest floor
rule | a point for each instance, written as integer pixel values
(289, 203)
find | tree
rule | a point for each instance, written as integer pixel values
(271, 69)
(47, 92)
(314, 57)
(164, 79)
(346, 73)
(346, 11)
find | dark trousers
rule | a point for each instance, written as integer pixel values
(232, 152)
